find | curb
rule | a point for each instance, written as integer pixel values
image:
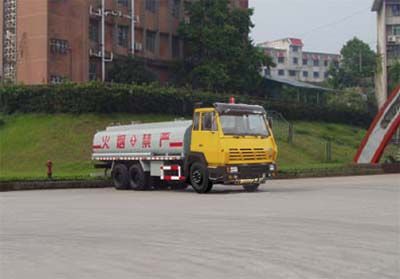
(49, 185)
(349, 171)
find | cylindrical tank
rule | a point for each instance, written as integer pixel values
(163, 138)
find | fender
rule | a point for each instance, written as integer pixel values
(190, 159)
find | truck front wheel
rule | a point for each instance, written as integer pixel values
(137, 178)
(199, 178)
(120, 177)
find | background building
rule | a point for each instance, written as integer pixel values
(48, 41)
(295, 64)
(388, 23)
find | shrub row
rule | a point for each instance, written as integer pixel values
(138, 99)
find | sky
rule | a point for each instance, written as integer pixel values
(324, 25)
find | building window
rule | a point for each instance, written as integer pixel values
(123, 35)
(281, 59)
(176, 47)
(393, 52)
(396, 30)
(316, 74)
(176, 7)
(56, 79)
(292, 73)
(92, 71)
(305, 74)
(305, 62)
(150, 41)
(151, 5)
(316, 62)
(94, 31)
(58, 46)
(295, 48)
(395, 9)
(295, 60)
(124, 3)
(281, 72)
(326, 75)
(326, 63)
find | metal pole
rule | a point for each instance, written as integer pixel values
(328, 150)
(133, 27)
(103, 47)
(290, 133)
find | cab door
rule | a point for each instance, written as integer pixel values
(205, 135)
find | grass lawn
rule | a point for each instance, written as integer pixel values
(308, 148)
(27, 141)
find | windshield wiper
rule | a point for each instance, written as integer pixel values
(259, 135)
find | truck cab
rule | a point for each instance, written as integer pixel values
(230, 144)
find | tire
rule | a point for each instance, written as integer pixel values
(121, 177)
(199, 178)
(251, 187)
(138, 180)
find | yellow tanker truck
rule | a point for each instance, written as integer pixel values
(230, 144)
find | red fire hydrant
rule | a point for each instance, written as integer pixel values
(49, 165)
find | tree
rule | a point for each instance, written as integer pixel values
(130, 70)
(219, 56)
(357, 66)
(394, 75)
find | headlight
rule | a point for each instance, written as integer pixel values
(233, 169)
(272, 167)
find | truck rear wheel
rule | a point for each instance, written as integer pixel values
(199, 178)
(120, 177)
(251, 187)
(137, 178)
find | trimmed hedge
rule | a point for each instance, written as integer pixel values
(300, 111)
(138, 99)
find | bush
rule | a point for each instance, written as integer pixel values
(139, 99)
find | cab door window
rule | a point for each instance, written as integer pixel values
(196, 121)
(208, 121)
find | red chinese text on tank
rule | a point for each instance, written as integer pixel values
(133, 140)
(146, 142)
(105, 142)
(164, 137)
(121, 141)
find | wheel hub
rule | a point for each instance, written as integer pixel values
(197, 177)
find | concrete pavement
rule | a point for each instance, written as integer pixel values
(344, 227)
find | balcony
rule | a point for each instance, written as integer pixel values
(393, 39)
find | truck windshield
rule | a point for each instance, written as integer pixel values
(243, 125)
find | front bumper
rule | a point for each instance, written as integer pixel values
(242, 174)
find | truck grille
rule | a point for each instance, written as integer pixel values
(248, 154)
